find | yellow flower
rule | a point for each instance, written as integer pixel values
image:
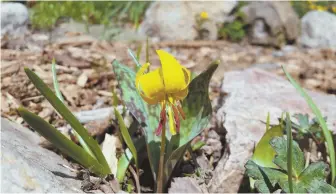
(334, 9)
(321, 8)
(167, 85)
(204, 15)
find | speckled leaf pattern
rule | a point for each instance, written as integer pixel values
(197, 108)
(147, 116)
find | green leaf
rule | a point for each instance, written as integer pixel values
(197, 106)
(198, 110)
(59, 95)
(317, 112)
(69, 117)
(126, 158)
(62, 143)
(264, 153)
(279, 144)
(126, 136)
(303, 122)
(265, 178)
(147, 116)
(320, 186)
(315, 171)
(56, 86)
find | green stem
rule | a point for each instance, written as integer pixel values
(289, 152)
(159, 188)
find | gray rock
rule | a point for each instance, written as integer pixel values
(26, 167)
(271, 23)
(318, 30)
(14, 19)
(186, 185)
(251, 94)
(176, 20)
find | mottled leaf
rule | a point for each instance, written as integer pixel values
(198, 110)
(147, 116)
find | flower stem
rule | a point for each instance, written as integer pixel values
(160, 177)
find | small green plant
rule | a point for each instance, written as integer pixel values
(311, 128)
(91, 157)
(44, 15)
(235, 30)
(302, 7)
(283, 167)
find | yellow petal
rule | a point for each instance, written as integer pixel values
(141, 71)
(151, 87)
(180, 95)
(174, 78)
(187, 75)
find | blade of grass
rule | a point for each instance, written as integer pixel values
(69, 117)
(127, 157)
(138, 53)
(59, 95)
(61, 142)
(138, 65)
(147, 50)
(56, 85)
(289, 152)
(318, 114)
(127, 138)
(268, 121)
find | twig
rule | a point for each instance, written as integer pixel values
(136, 178)
(31, 98)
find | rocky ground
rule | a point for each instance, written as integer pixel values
(248, 84)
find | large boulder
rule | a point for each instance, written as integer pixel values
(271, 23)
(14, 19)
(318, 30)
(27, 167)
(175, 20)
(253, 93)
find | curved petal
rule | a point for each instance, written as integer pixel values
(151, 87)
(150, 101)
(173, 75)
(180, 95)
(187, 75)
(141, 71)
